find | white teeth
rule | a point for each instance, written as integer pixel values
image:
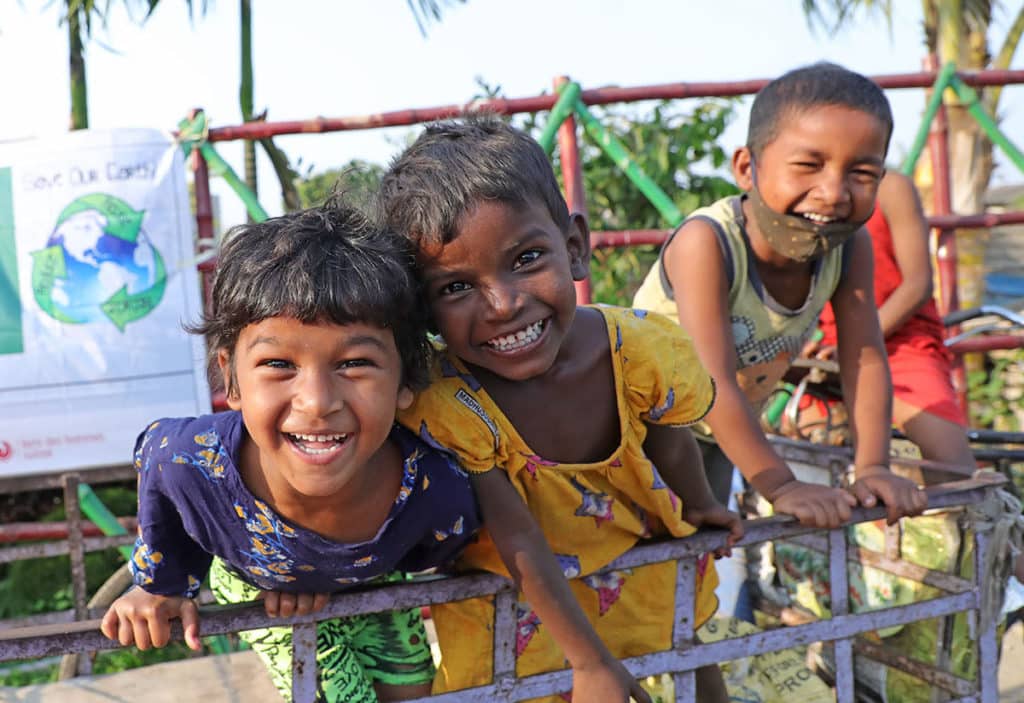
(320, 437)
(516, 340)
(815, 217)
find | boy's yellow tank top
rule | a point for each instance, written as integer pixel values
(768, 336)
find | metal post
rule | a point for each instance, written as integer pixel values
(305, 674)
(988, 643)
(839, 590)
(945, 250)
(682, 628)
(204, 213)
(73, 514)
(505, 630)
(572, 176)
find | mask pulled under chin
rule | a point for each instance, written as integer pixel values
(797, 237)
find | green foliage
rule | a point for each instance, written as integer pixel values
(32, 586)
(676, 148)
(992, 400)
(358, 180)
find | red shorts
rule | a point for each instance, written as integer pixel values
(921, 378)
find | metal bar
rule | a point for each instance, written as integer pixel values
(905, 569)
(839, 591)
(31, 531)
(207, 239)
(638, 237)
(988, 643)
(945, 250)
(305, 677)
(932, 107)
(987, 124)
(97, 475)
(572, 173)
(48, 640)
(560, 111)
(620, 156)
(685, 683)
(83, 636)
(505, 630)
(61, 547)
(878, 652)
(596, 96)
(76, 551)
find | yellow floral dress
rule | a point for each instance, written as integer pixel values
(590, 513)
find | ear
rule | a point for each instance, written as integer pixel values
(743, 168)
(578, 243)
(405, 398)
(226, 373)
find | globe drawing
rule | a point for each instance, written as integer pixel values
(98, 265)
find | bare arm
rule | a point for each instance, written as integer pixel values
(863, 368)
(675, 454)
(867, 387)
(597, 675)
(695, 268)
(901, 206)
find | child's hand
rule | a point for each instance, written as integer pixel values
(278, 603)
(716, 515)
(814, 505)
(610, 682)
(902, 497)
(144, 618)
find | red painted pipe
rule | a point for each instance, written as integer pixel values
(594, 96)
(35, 531)
(635, 237)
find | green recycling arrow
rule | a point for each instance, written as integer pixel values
(47, 266)
(122, 307)
(122, 221)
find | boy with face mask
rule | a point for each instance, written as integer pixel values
(748, 276)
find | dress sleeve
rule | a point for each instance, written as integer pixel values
(449, 416)
(663, 375)
(166, 560)
(452, 522)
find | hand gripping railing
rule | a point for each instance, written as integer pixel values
(686, 654)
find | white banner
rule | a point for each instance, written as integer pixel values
(96, 279)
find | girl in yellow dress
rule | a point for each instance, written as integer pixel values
(581, 410)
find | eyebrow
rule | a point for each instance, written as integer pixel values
(357, 341)
(814, 153)
(442, 272)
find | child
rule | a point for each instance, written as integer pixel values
(925, 407)
(748, 276)
(307, 486)
(575, 406)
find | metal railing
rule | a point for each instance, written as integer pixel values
(686, 654)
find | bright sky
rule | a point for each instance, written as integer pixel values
(323, 57)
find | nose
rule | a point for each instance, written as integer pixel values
(833, 188)
(316, 395)
(502, 300)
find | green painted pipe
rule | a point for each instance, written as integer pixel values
(94, 509)
(618, 153)
(968, 96)
(562, 109)
(192, 135)
(942, 81)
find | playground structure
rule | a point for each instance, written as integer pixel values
(50, 635)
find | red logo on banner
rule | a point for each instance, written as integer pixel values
(5, 451)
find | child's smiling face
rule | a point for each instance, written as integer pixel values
(502, 290)
(318, 400)
(824, 164)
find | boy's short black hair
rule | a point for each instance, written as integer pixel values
(812, 86)
(454, 165)
(326, 264)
